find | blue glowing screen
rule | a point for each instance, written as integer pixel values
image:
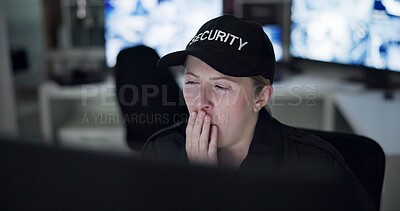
(355, 32)
(165, 25)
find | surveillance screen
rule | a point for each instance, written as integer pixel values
(356, 32)
(165, 25)
(274, 32)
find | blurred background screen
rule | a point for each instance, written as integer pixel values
(165, 25)
(357, 32)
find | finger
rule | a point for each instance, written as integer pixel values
(190, 123)
(189, 128)
(196, 131)
(205, 135)
(213, 146)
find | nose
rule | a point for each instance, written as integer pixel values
(204, 101)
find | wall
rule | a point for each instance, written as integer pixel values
(8, 121)
(26, 30)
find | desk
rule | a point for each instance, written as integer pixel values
(313, 102)
(82, 116)
(369, 114)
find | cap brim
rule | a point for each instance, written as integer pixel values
(172, 59)
(215, 59)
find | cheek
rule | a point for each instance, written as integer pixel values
(234, 110)
(189, 94)
(227, 116)
(238, 102)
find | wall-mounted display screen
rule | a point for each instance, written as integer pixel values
(274, 33)
(165, 25)
(354, 32)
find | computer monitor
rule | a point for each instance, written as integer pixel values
(363, 33)
(274, 32)
(37, 177)
(270, 15)
(165, 25)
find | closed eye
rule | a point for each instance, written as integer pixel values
(191, 82)
(221, 87)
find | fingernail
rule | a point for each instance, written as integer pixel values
(201, 114)
(193, 115)
(207, 119)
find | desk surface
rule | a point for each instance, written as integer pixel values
(369, 114)
(366, 111)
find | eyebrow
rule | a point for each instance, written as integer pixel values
(214, 78)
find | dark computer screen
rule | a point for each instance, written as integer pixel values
(37, 177)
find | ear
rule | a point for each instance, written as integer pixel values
(263, 98)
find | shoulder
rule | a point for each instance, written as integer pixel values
(308, 156)
(320, 158)
(279, 146)
(309, 142)
(167, 144)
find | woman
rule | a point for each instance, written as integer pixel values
(229, 68)
(229, 71)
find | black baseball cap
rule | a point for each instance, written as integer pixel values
(233, 46)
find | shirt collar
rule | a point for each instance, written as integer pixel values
(267, 137)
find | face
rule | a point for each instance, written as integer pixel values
(228, 100)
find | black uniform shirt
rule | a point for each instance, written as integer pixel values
(276, 150)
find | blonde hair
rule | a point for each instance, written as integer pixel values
(259, 83)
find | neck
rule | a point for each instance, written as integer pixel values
(232, 156)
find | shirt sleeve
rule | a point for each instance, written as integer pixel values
(167, 147)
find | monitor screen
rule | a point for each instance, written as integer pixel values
(38, 177)
(354, 32)
(165, 25)
(274, 33)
